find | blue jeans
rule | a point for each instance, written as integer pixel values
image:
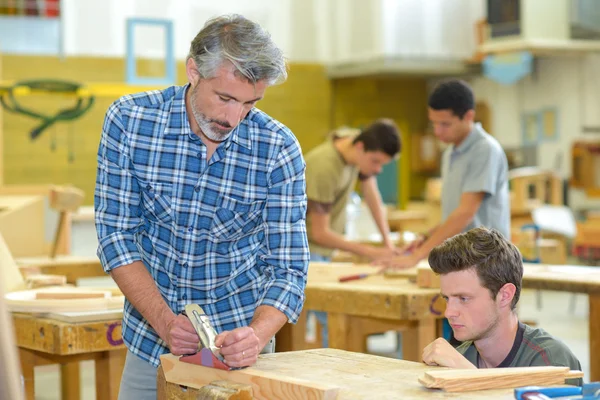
(320, 315)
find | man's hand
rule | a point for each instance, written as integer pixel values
(380, 253)
(441, 353)
(413, 245)
(401, 262)
(240, 347)
(181, 337)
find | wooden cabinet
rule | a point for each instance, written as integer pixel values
(586, 167)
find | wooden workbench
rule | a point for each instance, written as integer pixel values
(360, 308)
(407, 220)
(358, 376)
(563, 278)
(43, 341)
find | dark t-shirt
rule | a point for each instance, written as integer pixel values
(533, 347)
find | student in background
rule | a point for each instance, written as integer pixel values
(474, 173)
(332, 170)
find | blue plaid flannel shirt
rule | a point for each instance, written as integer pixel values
(228, 234)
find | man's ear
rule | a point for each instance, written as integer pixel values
(192, 72)
(359, 146)
(469, 115)
(506, 294)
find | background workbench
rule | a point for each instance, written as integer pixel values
(43, 341)
(360, 308)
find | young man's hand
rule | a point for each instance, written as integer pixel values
(399, 262)
(379, 253)
(441, 353)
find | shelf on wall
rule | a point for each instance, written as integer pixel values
(403, 66)
(541, 47)
(90, 89)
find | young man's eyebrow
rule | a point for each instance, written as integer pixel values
(233, 98)
(455, 294)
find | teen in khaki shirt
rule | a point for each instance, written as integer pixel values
(332, 170)
(480, 277)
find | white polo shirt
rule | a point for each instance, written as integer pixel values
(478, 164)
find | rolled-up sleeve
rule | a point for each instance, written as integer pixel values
(116, 196)
(287, 253)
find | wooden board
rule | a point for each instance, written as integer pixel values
(34, 281)
(265, 384)
(11, 278)
(50, 218)
(358, 376)
(466, 380)
(10, 371)
(60, 299)
(22, 223)
(87, 316)
(73, 267)
(426, 278)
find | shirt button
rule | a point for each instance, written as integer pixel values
(199, 155)
(190, 229)
(184, 297)
(184, 265)
(197, 188)
(148, 187)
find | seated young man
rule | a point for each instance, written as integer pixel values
(480, 279)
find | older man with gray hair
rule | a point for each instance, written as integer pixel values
(200, 198)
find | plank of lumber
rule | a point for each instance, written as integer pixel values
(69, 295)
(34, 281)
(22, 223)
(28, 301)
(9, 271)
(10, 370)
(462, 380)
(358, 376)
(426, 278)
(86, 316)
(73, 267)
(265, 384)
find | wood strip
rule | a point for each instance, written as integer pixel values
(57, 300)
(461, 380)
(69, 295)
(594, 335)
(10, 370)
(9, 272)
(265, 385)
(34, 281)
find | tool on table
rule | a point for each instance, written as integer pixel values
(355, 277)
(208, 354)
(589, 391)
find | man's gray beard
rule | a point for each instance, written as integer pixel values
(204, 125)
